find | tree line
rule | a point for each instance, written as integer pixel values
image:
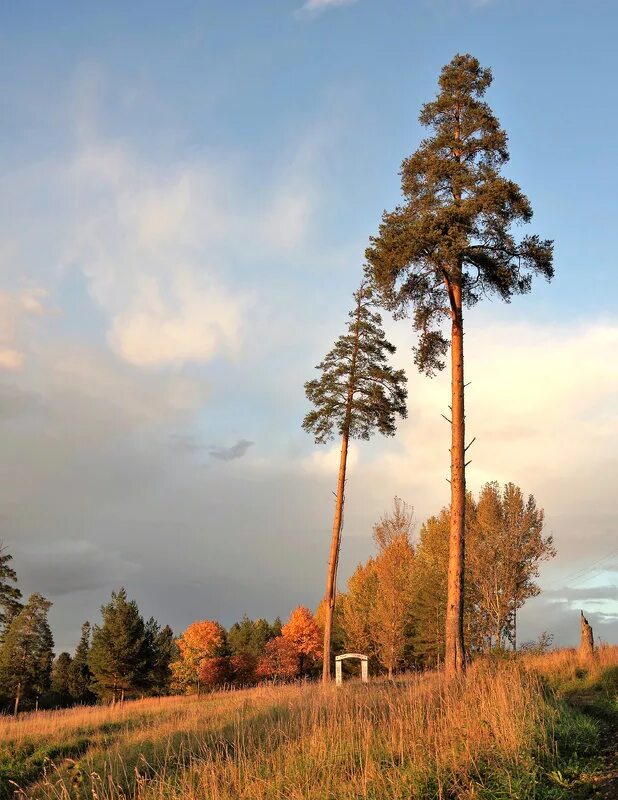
(393, 610)
(445, 247)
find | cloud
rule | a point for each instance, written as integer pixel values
(70, 566)
(143, 244)
(326, 461)
(315, 6)
(14, 308)
(237, 450)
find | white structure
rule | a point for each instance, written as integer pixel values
(364, 666)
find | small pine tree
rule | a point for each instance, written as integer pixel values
(27, 653)
(60, 680)
(356, 393)
(10, 596)
(80, 675)
(447, 246)
(118, 657)
(162, 650)
(249, 636)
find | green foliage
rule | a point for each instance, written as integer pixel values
(161, 651)
(452, 232)
(27, 652)
(250, 636)
(10, 595)
(119, 654)
(60, 680)
(357, 391)
(80, 676)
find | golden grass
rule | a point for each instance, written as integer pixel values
(420, 737)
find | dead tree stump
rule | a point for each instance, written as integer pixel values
(586, 645)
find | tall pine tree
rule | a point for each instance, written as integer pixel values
(118, 656)
(27, 653)
(356, 393)
(448, 245)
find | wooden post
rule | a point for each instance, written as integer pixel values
(586, 646)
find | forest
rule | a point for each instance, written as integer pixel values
(392, 610)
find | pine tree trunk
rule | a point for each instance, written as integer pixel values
(454, 658)
(17, 699)
(331, 578)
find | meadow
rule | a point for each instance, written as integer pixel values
(531, 727)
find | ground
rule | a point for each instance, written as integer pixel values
(542, 727)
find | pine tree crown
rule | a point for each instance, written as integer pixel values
(454, 227)
(357, 391)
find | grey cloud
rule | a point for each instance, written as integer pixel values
(66, 567)
(16, 402)
(237, 450)
(186, 442)
(569, 595)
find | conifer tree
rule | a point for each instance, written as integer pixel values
(444, 248)
(118, 656)
(27, 653)
(161, 650)
(10, 596)
(80, 676)
(60, 679)
(356, 393)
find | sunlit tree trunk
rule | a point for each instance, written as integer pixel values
(331, 578)
(454, 657)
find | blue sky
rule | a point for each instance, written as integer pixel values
(187, 192)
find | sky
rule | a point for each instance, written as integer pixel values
(187, 191)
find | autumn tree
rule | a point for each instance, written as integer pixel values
(393, 569)
(357, 393)
(80, 675)
(357, 609)
(444, 248)
(10, 596)
(279, 660)
(506, 548)
(118, 657)
(26, 654)
(200, 650)
(303, 634)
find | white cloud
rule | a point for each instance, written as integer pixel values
(143, 245)
(541, 404)
(14, 307)
(323, 5)
(325, 461)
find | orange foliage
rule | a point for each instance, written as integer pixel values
(302, 631)
(214, 672)
(243, 668)
(279, 660)
(201, 643)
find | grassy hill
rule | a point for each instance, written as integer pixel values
(535, 727)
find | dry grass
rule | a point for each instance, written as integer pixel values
(421, 737)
